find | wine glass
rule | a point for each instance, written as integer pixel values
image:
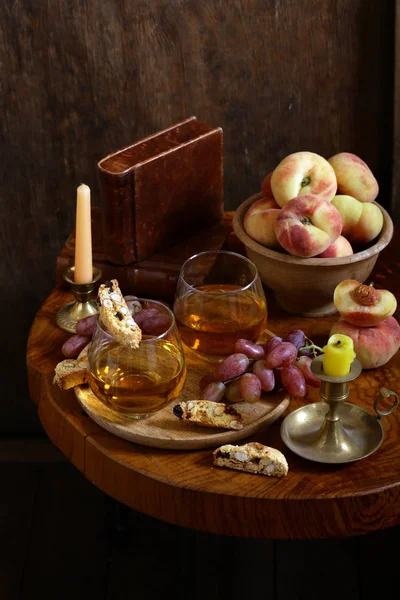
(138, 383)
(219, 299)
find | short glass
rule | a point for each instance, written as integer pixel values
(219, 299)
(138, 383)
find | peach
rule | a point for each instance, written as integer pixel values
(307, 225)
(262, 204)
(340, 247)
(303, 173)
(259, 222)
(363, 305)
(266, 187)
(354, 177)
(374, 346)
(362, 221)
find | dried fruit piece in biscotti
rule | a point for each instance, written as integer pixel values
(252, 458)
(115, 315)
(209, 414)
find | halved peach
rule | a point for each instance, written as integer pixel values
(363, 305)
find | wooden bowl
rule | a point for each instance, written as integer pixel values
(305, 286)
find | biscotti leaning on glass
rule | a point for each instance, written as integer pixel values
(116, 316)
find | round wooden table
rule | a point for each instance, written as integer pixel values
(183, 488)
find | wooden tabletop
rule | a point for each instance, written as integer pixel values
(183, 488)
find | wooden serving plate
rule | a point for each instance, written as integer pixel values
(164, 430)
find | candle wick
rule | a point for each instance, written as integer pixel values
(338, 343)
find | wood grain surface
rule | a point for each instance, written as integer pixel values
(83, 78)
(313, 501)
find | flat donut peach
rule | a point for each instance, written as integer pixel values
(307, 225)
(303, 173)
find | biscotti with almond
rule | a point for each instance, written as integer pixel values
(209, 414)
(116, 316)
(70, 373)
(252, 458)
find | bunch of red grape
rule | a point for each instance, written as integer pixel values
(281, 363)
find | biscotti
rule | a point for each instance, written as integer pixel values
(209, 414)
(70, 373)
(116, 316)
(252, 458)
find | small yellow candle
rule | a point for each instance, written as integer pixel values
(83, 236)
(338, 355)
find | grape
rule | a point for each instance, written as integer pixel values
(74, 345)
(304, 365)
(144, 314)
(214, 392)
(250, 387)
(278, 379)
(156, 325)
(87, 325)
(232, 366)
(248, 348)
(266, 376)
(293, 381)
(282, 355)
(272, 342)
(296, 337)
(204, 381)
(307, 352)
(232, 393)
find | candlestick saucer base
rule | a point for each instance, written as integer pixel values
(83, 306)
(333, 431)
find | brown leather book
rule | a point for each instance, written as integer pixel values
(161, 190)
(157, 276)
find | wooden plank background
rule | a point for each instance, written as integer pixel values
(395, 201)
(81, 78)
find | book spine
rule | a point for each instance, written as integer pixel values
(118, 216)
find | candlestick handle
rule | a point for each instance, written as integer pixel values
(383, 394)
(83, 306)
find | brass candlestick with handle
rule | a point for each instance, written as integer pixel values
(333, 430)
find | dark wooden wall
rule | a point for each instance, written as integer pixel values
(81, 78)
(395, 202)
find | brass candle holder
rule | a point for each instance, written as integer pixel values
(333, 430)
(83, 306)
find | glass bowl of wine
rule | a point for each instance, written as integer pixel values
(219, 299)
(138, 383)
